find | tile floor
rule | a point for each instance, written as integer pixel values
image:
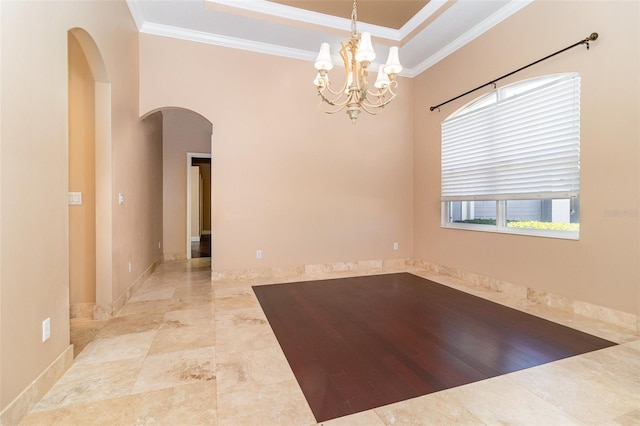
(186, 350)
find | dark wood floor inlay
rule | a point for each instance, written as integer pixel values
(363, 342)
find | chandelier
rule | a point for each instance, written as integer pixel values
(355, 95)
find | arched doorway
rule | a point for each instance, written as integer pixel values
(187, 143)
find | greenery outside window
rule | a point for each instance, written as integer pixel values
(511, 160)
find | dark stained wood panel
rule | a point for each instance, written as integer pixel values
(359, 343)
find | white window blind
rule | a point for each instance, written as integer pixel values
(522, 147)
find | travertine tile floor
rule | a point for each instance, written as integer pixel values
(185, 350)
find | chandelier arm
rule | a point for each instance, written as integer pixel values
(387, 93)
(345, 46)
(386, 90)
(366, 109)
(339, 93)
(390, 87)
(374, 99)
(377, 106)
(332, 112)
(333, 102)
(378, 100)
(326, 111)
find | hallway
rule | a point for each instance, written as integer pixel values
(186, 350)
(201, 248)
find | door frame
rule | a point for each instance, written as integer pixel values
(190, 157)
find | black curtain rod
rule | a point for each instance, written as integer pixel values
(592, 37)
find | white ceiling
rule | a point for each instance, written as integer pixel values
(437, 30)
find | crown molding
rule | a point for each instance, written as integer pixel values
(484, 26)
(422, 15)
(266, 48)
(225, 41)
(136, 13)
(242, 44)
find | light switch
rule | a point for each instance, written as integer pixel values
(75, 198)
(121, 198)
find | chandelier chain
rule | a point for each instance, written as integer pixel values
(354, 18)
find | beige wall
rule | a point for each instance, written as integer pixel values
(145, 220)
(82, 218)
(34, 107)
(299, 185)
(603, 266)
(184, 131)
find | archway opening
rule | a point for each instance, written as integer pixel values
(186, 157)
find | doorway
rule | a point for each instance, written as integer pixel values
(198, 205)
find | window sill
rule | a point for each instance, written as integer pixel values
(563, 235)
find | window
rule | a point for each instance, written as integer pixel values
(511, 160)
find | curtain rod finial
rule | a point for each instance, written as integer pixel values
(593, 37)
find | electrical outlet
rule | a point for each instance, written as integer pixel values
(120, 198)
(159, 244)
(130, 266)
(46, 329)
(395, 246)
(258, 254)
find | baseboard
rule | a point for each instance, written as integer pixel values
(81, 310)
(28, 398)
(200, 261)
(108, 311)
(206, 232)
(168, 257)
(195, 239)
(286, 271)
(601, 313)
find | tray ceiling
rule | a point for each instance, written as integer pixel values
(426, 31)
